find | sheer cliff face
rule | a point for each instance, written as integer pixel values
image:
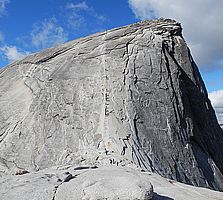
(132, 94)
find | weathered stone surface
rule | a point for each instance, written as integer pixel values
(128, 95)
(165, 189)
(105, 182)
(109, 183)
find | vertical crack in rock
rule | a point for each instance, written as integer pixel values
(68, 176)
(106, 91)
(55, 192)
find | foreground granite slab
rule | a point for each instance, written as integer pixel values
(127, 95)
(98, 183)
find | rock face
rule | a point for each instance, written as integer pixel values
(124, 96)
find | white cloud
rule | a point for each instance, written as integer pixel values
(75, 21)
(48, 33)
(79, 6)
(216, 98)
(3, 5)
(2, 38)
(77, 13)
(201, 20)
(12, 53)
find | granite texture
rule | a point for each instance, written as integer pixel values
(131, 95)
(98, 183)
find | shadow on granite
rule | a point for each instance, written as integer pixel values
(160, 197)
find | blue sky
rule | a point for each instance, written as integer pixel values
(28, 26)
(22, 22)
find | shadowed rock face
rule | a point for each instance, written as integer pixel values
(128, 95)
